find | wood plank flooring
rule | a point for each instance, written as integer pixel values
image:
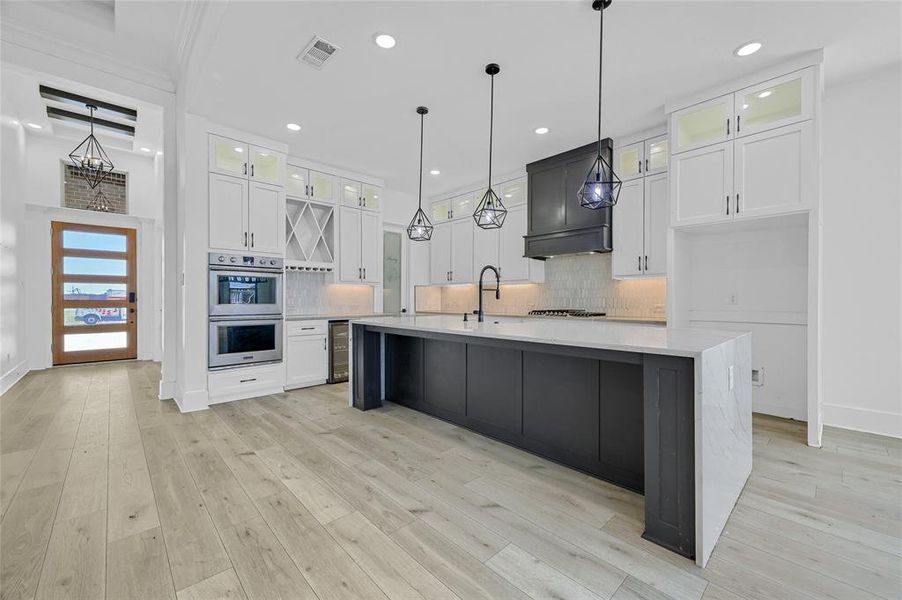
(106, 492)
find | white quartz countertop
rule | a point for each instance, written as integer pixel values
(606, 335)
(330, 316)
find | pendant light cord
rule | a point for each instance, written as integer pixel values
(491, 127)
(420, 198)
(600, 51)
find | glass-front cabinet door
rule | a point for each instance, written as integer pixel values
(371, 196)
(775, 103)
(350, 193)
(702, 124)
(656, 155)
(322, 186)
(464, 204)
(267, 166)
(628, 161)
(296, 182)
(441, 211)
(228, 156)
(513, 193)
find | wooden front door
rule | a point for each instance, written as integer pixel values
(95, 309)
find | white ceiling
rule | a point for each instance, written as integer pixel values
(359, 112)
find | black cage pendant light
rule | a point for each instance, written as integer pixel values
(602, 186)
(490, 212)
(420, 229)
(100, 203)
(90, 158)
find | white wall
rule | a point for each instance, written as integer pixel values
(862, 255)
(13, 350)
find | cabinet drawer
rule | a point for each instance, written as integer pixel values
(245, 382)
(306, 327)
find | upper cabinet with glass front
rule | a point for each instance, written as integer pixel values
(628, 161)
(232, 157)
(702, 124)
(782, 101)
(266, 165)
(370, 196)
(513, 193)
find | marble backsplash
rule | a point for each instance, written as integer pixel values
(576, 281)
(312, 294)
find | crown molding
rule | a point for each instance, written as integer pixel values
(17, 35)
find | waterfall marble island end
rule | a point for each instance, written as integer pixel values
(661, 411)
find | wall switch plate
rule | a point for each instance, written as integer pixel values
(758, 376)
(732, 381)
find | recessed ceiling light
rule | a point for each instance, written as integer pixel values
(435, 172)
(293, 126)
(765, 94)
(383, 40)
(747, 49)
(35, 126)
(143, 149)
(541, 130)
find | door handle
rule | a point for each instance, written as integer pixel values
(646, 262)
(640, 165)
(646, 165)
(364, 272)
(640, 263)
(252, 170)
(252, 240)
(245, 168)
(245, 239)
(737, 203)
(737, 122)
(728, 126)
(728, 205)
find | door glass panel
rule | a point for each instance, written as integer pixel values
(371, 194)
(628, 163)
(772, 104)
(93, 291)
(703, 125)
(657, 155)
(391, 273)
(246, 289)
(229, 156)
(440, 211)
(514, 192)
(321, 185)
(463, 205)
(77, 265)
(74, 342)
(267, 165)
(296, 184)
(350, 193)
(245, 338)
(94, 316)
(89, 240)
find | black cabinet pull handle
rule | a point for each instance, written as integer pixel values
(245, 168)
(640, 165)
(245, 239)
(252, 170)
(252, 240)
(728, 126)
(737, 203)
(728, 205)
(737, 122)
(646, 165)
(646, 262)
(248, 380)
(364, 272)
(306, 328)
(640, 263)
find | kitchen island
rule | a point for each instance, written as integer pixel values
(665, 412)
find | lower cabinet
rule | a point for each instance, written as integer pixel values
(306, 354)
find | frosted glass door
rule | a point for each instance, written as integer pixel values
(267, 166)
(372, 196)
(778, 102)
(628, 161)
(322, 186)
(629, 218)
(513, 193)
(656, 151)
(350, 193)
(702, 185)
(465, 204)
(441, 211)
(296, 182)
(702, 124)
(228, 156)
(654, 261)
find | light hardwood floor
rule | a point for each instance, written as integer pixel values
(108, 492)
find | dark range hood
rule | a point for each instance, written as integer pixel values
(557, 223)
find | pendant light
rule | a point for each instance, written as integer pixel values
(490, 212)
(100, 203)
(420, 229)
(602, 186)
(90, 158)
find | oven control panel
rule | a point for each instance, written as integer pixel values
(238, 260)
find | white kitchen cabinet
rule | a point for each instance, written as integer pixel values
(513, 193)
(516, 268)
(462, 250)
(486, 246)
(440, 254)
(297, 182)
(360, 245)
(266, 204)
(656, 155)
(701, 184)
(228, 212)
(308, 184)
(361, 195)
(371, 197)
(463, 205)
(306, 354)
(266, 166)
(629, 230)
(227, 156)
(657, 218)
(702, 124)
(322, 186)
(350, 193)
(774, 171)
(440, 211)
(775, 103)
(628, 161)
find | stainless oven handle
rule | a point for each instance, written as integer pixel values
(240, 271)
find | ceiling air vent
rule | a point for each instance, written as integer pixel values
(317, 52)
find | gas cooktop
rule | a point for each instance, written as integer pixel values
(565, 312)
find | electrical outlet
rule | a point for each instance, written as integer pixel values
(732, 381)
(733, 299)
(758, 376)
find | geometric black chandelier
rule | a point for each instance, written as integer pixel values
(602, 186)
(420, 229)
(90, 158)
(100, 203)
(490, 212)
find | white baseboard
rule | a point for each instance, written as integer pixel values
(191, 401)
(777, 410)
(863, 419)
(167, 390)
(11, 377)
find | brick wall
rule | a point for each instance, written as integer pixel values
(78, 194)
